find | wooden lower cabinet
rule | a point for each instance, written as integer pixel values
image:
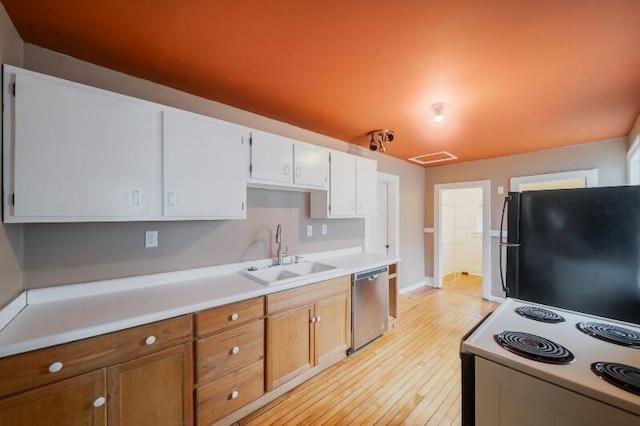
(332, 328)
(290, 339)
(222, 397)
(152, 390)
(71, 402)
(302, 337)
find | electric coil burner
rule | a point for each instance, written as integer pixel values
(534, 347)
(620, 375)
(611, 333)
(539, 314)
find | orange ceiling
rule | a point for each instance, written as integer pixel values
(515, 76)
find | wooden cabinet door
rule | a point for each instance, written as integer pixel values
(342, 185)
(79, 401)
(333, 327)
(311, 165)
(81, 153)
(155, 389)
(271, 157)
(205, 163)
(290, 340)
(366, 187)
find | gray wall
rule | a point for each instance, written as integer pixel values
(11, 48)
(609, 157)
(68, 253)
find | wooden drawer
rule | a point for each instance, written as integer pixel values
(229, 393)
(227, 316)
(32, 369)
(289, 299)
(229, 350)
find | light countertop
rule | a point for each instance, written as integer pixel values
(67, 313)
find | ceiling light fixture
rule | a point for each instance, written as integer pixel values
(438, 113)
(379, 138)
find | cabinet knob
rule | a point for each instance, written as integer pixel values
(235, 350)
(150, 340)
(314, 319)
(172, 199)
(136, 198)
(234, 394)
(298, 171)
(55, 367)
(99, 402)
(286, 169)
(318, 318)
(234, 317)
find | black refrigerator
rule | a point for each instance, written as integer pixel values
(577, 249)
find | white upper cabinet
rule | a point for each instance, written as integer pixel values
(205, 165)
(76, 153)
(271, 158)
(352, 188)
(285, 163)
(366, 187)
(311, 165)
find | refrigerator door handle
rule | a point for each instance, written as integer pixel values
(504, 244)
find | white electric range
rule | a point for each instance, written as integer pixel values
(557, 380)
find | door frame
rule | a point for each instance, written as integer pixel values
(393, 215)
(485, 185)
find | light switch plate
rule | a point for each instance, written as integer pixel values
(309, 230)
(151, 239)
(500, 190)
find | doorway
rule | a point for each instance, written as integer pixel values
(462, 236)
(382, 232)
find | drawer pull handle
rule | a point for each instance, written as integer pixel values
(55, 367)
(235, 350)
(99, 402)
(234, 394)
(234, 317)
(150, 340)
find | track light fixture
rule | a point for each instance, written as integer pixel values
(379, 138)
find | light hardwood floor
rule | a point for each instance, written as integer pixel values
(410, 376)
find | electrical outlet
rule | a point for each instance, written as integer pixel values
(151, 239)
(500, 190)
(324, 229)
(309, 230)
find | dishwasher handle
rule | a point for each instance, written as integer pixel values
(371, 274)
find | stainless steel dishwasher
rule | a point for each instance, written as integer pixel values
(369, 306)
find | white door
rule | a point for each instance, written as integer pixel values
(311, 165)
(82, 153)
(205, 167)
(271, 157)
(343, 184)
(379, 227)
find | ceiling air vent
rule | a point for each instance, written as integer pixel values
(435, 157)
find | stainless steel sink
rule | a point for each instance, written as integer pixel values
(284, 274)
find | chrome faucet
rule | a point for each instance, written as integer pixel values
(281, 254)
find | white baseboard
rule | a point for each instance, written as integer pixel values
(427, 282)
(496, 299)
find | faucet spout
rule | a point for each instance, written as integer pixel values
(278, 235)
(279, 242)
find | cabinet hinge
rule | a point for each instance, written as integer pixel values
(329, 208)
(250, 168)
(243, 206)
(251, 140)
(13, 199)
(13, 89)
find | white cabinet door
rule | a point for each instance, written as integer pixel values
(343, 184)
(311, 165)
(81, 154)
(366, 186)
(205, 167)
(271, 157)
